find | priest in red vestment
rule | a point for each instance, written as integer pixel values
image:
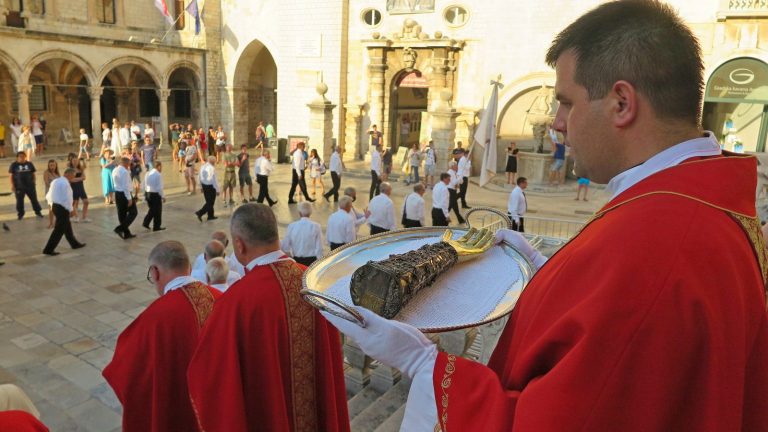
(148, 370)
(20, 421)
(278, 364)
(653, 318)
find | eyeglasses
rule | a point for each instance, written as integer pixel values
(149, 274)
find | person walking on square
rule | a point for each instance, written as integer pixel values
(558, 159)
(192, 155)
(337, 168)
(382, 211)
(297, 174)
(148, 153)
(155, 193)
(108, 164)
(413, 208)
(441, 213)
(464, 169)
(83, 148)
(210, 187)
(430, 164)
(316, 171)
(78, 188)
(517, 205)
(60, 199)
(23, 179)
(376, 171)
(27, 142)
(51, 173)
(231, 162)
(244, 174)
(125, 203)
(453, 194)
(414, 160)
(303, 240)
(263, 168)
(340, 228)
(583, 185)
(511, 168)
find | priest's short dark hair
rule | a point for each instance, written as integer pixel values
(255, 224)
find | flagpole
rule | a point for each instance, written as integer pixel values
(173, 25)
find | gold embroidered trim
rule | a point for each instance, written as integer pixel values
(301, 339)
(201, 300)
(601, 212)
(751, 227)
(445, 384)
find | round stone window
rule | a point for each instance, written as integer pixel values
(371, 17)
(456, 16)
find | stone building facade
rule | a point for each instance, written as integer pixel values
(393, 63)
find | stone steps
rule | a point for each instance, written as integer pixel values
(381, 409)
(392, 424)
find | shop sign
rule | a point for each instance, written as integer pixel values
(739, 81)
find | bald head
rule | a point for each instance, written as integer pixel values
(385, 188)
(217, 270)
(220, 236)
(345, 203)
(254, 224)
(171, 256)
(305, 209)
(214, 249)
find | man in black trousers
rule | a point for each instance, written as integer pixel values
(153, 187)
(263, 167)
(336, 167)
(297, 177)
(59, 197)
(210, 187)
(22, 175)
(126, 205)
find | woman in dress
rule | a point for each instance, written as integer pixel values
(115, 143)
(27, 142)
(78, 187)
(15, 134)
(316, 170)
(51, 173)
(107, 166)
(511, 163)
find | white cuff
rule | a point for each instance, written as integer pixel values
(421, 408)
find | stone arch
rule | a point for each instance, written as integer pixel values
(148, 67)
(183, 64)
(12, 66)
(516, 93)
(32, 63)
(254, 83)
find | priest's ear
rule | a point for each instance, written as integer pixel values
(239, 247)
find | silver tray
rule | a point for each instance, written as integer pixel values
(324, 273)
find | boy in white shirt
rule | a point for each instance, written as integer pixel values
(84, 146)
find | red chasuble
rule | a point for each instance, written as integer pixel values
(148, 370)
(20, 421)
(267, 361)
(653, 318)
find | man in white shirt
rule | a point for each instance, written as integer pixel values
(126, 205)
(263, 169)
(358, 217)
(303, 239)
(210, 188)
(336, 167)
(299, 164)
(198, 267)
(453, 193)
(382, 211)
(106, 134)
(135, 131)
(216, 272)
(413, 208)
(214, 249)
(341, 228)
(125, 136)
(517, 204)
(153, 189)
(441, 215)
(59, 197)
(430, 164)
(376, 170)
(464, 169)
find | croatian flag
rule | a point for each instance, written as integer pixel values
(193, 10)
(163, 8)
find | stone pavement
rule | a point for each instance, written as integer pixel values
(60, 316)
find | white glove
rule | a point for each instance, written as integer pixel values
(393, 343)
(518, 241)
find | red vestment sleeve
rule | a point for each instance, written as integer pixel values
(267, 360)
(649, 320)
(20, 421)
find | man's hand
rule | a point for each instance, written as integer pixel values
(393, 343)
(163, 200)
(367, 213)
(521, 244)
(130, 202)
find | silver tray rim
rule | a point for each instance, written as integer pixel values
(311, 295)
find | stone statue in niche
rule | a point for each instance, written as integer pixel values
(410, 6)
(409, 58)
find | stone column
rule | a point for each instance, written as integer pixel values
(162, 130)
(321, 122)
(443, 120)
(352, 148)
(202, 116)
(95, 94)
(376, 91)
(358, 374)
(438, 77)
(23, 91)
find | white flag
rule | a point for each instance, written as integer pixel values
(485, 135)
(163, 8)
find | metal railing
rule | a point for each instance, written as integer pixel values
(550, 227)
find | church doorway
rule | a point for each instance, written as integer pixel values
(254, 94)
(408, 111)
